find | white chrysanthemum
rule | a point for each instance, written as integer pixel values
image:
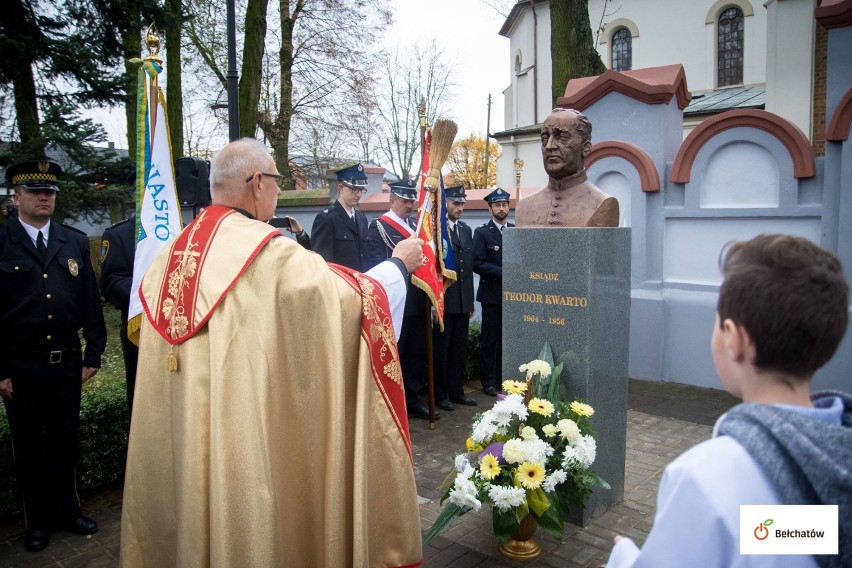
(528, 433)
(514, 451)
(536, 366)
(569, 457)
(549, 430)
(553, 480)
(485, 428)
(569, 429)
(586, 450)
(461, 462)
(464, 494)
(536, 450)
(506, 410)
(506, 498)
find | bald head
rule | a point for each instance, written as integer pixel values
(231, 165)
(243, 175)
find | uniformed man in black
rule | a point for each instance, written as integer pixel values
(450, 347)
(384, 234)
(50, 293)
(118, 249)
(488, 263)
(339, 233)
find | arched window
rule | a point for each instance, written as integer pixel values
(621, 50)
(518, 62)
(730, 47)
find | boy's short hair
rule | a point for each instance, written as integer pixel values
(791, 297)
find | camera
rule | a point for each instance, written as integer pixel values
(280, 222)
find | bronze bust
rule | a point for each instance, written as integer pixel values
(569, 200)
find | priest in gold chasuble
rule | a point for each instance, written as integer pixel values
(269, 424)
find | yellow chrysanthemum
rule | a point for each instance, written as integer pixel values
(472, 446)
(541, 406)
(489, 467)
(582, 408)
(531, 475)
(514, 387)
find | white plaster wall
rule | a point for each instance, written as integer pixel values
(528, 148)
(789, 61)
(692, 245)
(674, 31)
(532, 39)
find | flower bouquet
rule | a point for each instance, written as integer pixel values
(530, 454)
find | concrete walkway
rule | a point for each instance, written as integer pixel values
(664, 420)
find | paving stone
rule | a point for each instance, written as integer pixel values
(664, 420)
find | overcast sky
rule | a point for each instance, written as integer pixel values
(466, 29)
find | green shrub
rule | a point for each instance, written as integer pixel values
(102, 433)
(471, 364)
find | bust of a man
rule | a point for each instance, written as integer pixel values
(569, 200)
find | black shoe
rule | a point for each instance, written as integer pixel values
(82, 525)
(421, 412)
(445, 405)
(490, 391)
(466, 400)
(36, 540)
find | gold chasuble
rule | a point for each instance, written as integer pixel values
(280, 438)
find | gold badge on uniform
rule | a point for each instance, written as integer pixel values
(72, 267)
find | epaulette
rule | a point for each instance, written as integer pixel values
(485, 224)
(75, 229)
(114, 225)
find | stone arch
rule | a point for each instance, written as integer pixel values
(841, 120)
(619, 23)
(721, 5)
(636, 156)
(786, 132)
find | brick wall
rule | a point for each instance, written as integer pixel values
(820, 64)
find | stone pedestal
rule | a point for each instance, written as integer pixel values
(571, 287)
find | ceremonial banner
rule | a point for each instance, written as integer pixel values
(158, 219)
(432, 277)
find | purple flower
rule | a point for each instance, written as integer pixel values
(496, 450)
(501, 396)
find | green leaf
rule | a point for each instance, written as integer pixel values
(551, 520)
(505, 523)
(447, 517)
(546, 354)
(538, 501)
(598, 481)
(553, 391)
(768, 522)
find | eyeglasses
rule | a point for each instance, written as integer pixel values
(354, 189)
(279, 179)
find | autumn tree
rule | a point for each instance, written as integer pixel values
(467, 159)
(420, 72)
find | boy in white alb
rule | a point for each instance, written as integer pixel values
(782, 311)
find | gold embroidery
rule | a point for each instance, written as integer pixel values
(173, 308)
(381, 328)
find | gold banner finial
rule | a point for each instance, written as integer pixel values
(152, 42)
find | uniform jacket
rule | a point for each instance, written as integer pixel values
(46, 303)
(339, 239)
(488, 262)
(458, 299)
(117, 251)
(378, 250)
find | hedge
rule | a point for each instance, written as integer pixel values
(103, 428)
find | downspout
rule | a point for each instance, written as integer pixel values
(535, 63)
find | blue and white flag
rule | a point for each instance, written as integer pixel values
(158, 218)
